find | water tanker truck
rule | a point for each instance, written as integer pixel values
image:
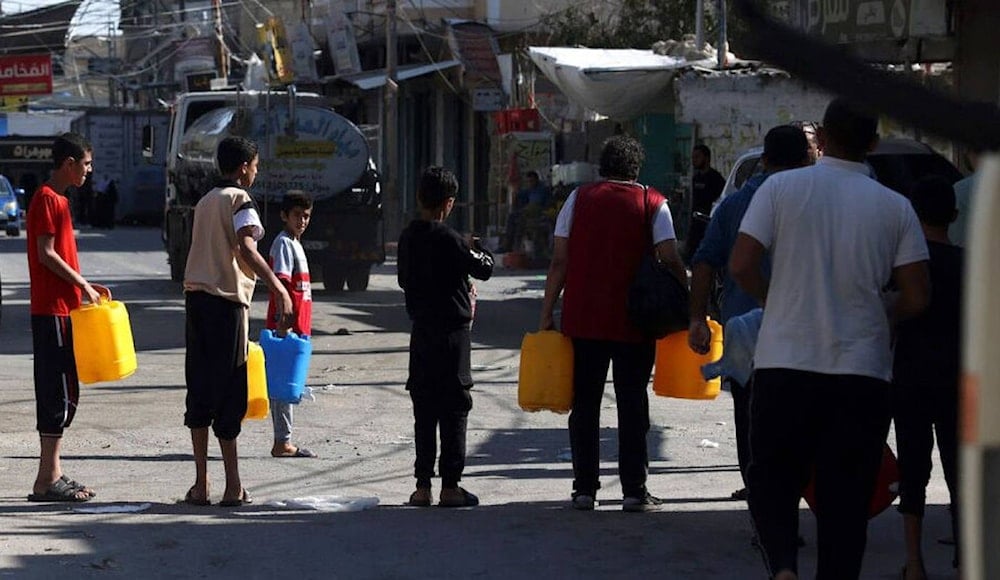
(304, 145)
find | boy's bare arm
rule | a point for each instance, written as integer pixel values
(554, 282)
(248, 252)
(49, 258)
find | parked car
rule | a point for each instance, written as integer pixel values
(895, 163)
(11, 213)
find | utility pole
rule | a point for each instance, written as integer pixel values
(699, 25)
(721, 52)
(112, 68)
(220, 39)
(390, 128)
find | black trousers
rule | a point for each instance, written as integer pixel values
(632, 364)
(920, 413)
(215, 367)
(741, 423)
(446, 409)
(836, 424)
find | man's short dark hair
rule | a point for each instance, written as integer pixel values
(437, 184)
(704, 150)
(933, 198)
(850, 126)
(234, 152)
(786, 146)
(621, 157)
(295, 198)
(533, 175)
(69, 145)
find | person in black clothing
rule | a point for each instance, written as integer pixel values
(434, 268)
(706, 187)
(926, 371)
(104, 202)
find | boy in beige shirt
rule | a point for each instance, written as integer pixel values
(222, 267)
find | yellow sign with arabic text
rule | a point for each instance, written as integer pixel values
(286, 148)
(12, 103)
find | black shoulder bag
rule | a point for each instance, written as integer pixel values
(658, 303)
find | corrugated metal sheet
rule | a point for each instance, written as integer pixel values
(474, 45)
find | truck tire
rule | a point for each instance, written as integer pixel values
(334, 278)
(357, 278)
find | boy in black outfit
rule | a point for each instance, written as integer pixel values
(434, 267)
(926, 371)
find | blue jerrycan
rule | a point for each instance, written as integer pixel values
(287, 364)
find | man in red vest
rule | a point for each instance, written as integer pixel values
(601, 233)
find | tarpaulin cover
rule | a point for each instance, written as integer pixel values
(617, 83)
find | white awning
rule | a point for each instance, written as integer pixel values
(374, 79)
(618, 83)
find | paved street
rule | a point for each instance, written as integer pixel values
(129, 443)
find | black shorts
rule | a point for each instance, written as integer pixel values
(215, 364)
(57, 390)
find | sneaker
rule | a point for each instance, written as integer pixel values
(648, 502)
(584, 502)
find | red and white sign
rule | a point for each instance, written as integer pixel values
(25, 74)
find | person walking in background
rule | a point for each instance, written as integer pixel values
(528, 205)
(820, 397)
(925, 375)
(219, 280)
(104, 200)
(84, 206)
(706, 187)
(288, 262)
(601, 234)
(57, 287)
(785, 147)
(958, 231)
(434, 268)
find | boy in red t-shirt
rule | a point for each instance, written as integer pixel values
(288, 261)
(56, 288)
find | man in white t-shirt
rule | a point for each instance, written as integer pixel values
(838, 241)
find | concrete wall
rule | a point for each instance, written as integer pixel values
(732, 113)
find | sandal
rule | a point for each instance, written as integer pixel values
(243, 499)
(190, 499)
(464, 498)
(60, 491)
(420, 498)
(299, 452)
(79, 486)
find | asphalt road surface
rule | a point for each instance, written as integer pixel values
(129, 443)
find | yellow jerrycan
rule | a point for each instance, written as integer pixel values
(102, 341)
(258, 404)
(678, 368)
(545, 379)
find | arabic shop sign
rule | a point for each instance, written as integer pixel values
(850, 21)
(26, 151)
(25, 74)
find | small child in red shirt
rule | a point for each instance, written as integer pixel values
(288, 261)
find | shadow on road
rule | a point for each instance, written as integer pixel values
(516, 540)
